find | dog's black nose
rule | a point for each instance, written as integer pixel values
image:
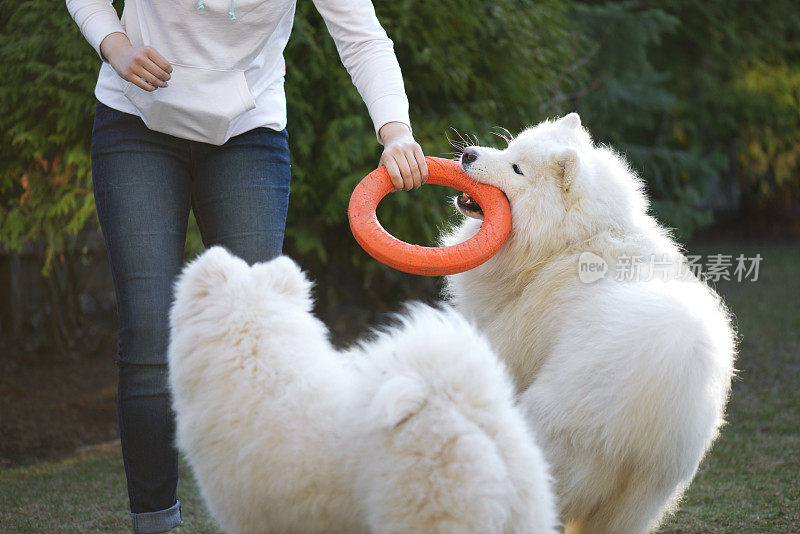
(468, 156)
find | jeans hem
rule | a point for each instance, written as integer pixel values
(160, 521)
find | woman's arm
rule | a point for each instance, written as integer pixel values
(96, 19)
(99, 23)
(368, 54)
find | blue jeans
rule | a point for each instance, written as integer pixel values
(144, 184)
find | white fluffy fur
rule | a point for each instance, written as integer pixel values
(414, 431)
(624, 382)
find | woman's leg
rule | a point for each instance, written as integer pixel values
(240, 193)
(141, 184)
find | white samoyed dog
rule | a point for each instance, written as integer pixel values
(413, 431)
(624, 378)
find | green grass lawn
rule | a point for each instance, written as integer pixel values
(749, 482)
(85, 494)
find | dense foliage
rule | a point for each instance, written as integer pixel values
(704, 99)
(735, 72)
(45, 125)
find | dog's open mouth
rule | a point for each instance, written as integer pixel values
(467, 205)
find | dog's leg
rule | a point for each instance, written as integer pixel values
(633, 510)
(574, 527)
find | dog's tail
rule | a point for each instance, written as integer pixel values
(453, 452)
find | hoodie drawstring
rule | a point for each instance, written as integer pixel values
(230, 12)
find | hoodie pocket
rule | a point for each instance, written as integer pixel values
(199, 103)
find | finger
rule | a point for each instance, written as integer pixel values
(405, 170)
(394, 173)
(423, 164)
(416, 175)
(137, 81)
(159, 60)
(155, 70)
(141, 72)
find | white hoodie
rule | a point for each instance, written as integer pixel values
(228, 66)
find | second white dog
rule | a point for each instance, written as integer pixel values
(624, 377)
(414, 431)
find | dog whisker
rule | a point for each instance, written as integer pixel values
(503, 134)
(464, 142)
(456, 143)
(508, 136)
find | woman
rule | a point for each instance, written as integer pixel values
(191, 112)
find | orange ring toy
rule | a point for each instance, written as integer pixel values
(429, 261)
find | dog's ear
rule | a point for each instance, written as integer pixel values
(572, 120)
(284, 276)
(397, 400)
(210, 270)
(567, 162)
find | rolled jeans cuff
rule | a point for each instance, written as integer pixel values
(161, 521)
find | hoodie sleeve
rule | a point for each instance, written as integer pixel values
(368, 54)
(96, 19)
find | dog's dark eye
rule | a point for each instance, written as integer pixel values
(516, 169)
